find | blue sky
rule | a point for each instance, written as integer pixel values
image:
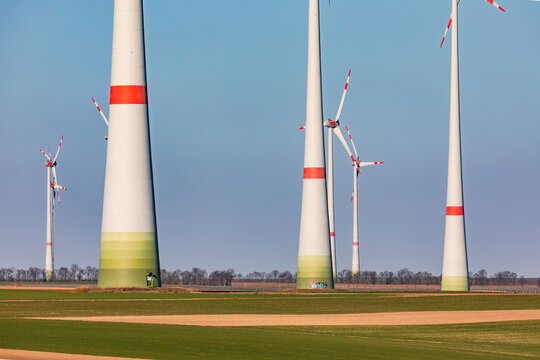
(226, 87)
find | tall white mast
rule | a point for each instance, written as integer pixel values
(333, 127)
(129, 247)
(357, 164)
(314, 250)
(331, 216)
(455, 273)
(355, 250)
(52, 187)
(49, 260)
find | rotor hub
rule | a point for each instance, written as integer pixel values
(331, 123)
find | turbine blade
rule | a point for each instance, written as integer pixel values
(55, 180)
(59, 146)
(362, 163)
(352, 142)
(338, 133)
(343, 97)
(45, 154)
(446, 31)
(101, 112)
(496, 5)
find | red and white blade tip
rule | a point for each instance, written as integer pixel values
(350, 137)
(348, 78)
(446, 31)
(97, 106)
(301, 128)
(496, 5)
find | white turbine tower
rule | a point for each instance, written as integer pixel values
(333, 127)
(314, 253)
(53, 191)
(357, 164)
(129, 243)
(455, 272)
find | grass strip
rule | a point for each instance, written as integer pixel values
(516, 340)
(56, 304)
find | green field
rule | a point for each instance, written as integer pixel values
(508, 340)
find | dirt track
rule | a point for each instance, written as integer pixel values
(41, 355)
(390, 318)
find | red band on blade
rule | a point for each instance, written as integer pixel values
(49, 244)
(454, 210)
(315, 173)
(128, 94)
(355, 243)
(346, 86)
(332, 234)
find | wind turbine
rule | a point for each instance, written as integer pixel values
(103, 116)
(333, 127)
(357, 164)
(129, 242)
(455, 272)
(314, 251)
(53, 190)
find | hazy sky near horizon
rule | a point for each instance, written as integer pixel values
(227, 87)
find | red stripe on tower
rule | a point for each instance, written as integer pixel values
(355, 243)
(454, 210)
(332, 234)
(315, 173)
(128, 94)
(49, 244)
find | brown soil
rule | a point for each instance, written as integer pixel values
(392, 318)
(95, 289)
(41, 355)
(164, 290)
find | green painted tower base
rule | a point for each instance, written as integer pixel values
(126, 258)
(455, 283)
(314, 272)
(49, 275)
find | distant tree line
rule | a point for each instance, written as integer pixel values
(35, 274)
(222, 277)
(198, 276)
(403, 276)
(499, 278)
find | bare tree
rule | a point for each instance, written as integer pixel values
(286, 277)
(481, 277)
(91, 273)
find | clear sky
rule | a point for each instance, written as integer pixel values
(226, 87)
